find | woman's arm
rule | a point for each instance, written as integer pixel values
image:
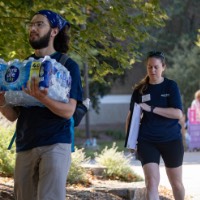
(194, 104)
(127, 121)
(172, 113)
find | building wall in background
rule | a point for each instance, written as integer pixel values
(112, 113)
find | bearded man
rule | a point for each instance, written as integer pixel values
(43, 134)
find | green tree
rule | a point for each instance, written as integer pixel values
(198, 39)
(177, 40)
(105, 34)
(185, 69)
(101, 29)
(183, 19)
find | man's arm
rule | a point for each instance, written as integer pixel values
(9, 112)
(65, 110)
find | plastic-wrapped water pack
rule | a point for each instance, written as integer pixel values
(52, 75)
(3, 66)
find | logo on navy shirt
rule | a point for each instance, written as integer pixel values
(164, 95)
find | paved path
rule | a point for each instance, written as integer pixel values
(191, 174)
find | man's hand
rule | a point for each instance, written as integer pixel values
(32, 88)
(2, 98)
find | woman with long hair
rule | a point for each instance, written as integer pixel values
(159, 133)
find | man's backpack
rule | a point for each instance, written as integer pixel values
(81, 109)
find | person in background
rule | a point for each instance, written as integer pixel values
(43, 134)
(160, 131)
(196, 104)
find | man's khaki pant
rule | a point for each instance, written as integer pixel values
(41, 173)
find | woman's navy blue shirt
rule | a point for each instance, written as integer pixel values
(155, 128)
(38, 126)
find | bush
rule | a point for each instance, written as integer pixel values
(117, 164)
(116, 135)
(78, 174)
(7, 157)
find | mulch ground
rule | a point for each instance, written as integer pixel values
(88, 193)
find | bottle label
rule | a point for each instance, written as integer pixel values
(35, 69)
(45, 75)
(12, 74)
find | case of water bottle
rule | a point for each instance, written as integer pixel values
(15, 74)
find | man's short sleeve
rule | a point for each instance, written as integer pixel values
(76, 91)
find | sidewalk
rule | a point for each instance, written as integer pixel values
(191, 175)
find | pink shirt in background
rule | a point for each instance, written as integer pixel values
(196, 106)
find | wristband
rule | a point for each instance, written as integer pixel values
(152, 108)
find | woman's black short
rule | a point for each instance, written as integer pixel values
(171, 152)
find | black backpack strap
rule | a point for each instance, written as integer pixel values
(12, 141)
(63, 59)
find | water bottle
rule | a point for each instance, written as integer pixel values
(15, 75)
(45, 73)
(20, 98)
(51, 73)
(26, 67)
(3, 67)
(60, 83)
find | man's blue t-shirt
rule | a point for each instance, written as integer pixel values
(155, 128)
(38, 126)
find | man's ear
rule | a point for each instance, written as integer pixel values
(54, 32)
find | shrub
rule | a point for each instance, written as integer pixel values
(7, 157)
(78, 174)
(117, 165)
(116, 135)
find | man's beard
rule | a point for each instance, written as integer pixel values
(41, 43)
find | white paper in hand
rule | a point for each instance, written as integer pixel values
(134, 127)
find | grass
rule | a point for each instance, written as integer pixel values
(7, 157)
(104, 138)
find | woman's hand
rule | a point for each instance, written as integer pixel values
(145, 107)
